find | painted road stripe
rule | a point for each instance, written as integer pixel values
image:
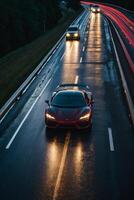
(62, 56)
(64, 155)
(19, 127)
(81, 60)
(54, 51)
(83, 48)
(63, 159)
(76, 79)
(111, 139)
(39, 71)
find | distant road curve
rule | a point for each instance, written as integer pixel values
(125, 24)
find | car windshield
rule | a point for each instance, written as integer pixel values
(69, 100)
(73, 29)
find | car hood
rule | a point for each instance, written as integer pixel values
(68, 113)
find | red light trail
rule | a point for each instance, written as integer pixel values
(123, 22)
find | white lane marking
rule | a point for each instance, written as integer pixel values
(111, 139)
(80, 59)
(49, 58)
(83, 48)
(54, 51)
(62, 56)
(19, 127)
(76, 79)
(39, 71)
(63, 159)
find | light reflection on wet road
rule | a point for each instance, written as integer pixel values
(70, 61)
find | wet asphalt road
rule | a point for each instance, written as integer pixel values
(72, 165)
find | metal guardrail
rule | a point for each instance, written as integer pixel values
(19, 91)
(125, 87)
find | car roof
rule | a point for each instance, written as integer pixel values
(70, 92)
(73, 26)
(72, 86)
(95, 5)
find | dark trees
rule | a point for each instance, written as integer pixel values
(75, 4)
(22, 21)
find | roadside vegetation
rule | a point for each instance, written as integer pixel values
(18, 64)
(23, 21)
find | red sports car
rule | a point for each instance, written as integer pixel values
(70, 106)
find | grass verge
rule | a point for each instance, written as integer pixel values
(17, 65)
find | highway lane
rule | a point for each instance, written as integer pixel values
(41, 78)
(72, 165)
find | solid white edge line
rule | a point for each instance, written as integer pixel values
(39, 71)
(19, 127)
(111, 139)
(125, 86)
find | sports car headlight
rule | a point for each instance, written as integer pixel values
(76, 35)
(48, 116)
(85, 117)
(68, 34)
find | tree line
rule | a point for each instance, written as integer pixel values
(21, 21)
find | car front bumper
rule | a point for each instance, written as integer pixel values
(78, 124)
(72, 37)
(95, 11)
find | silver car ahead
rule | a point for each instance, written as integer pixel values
(73, 33)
